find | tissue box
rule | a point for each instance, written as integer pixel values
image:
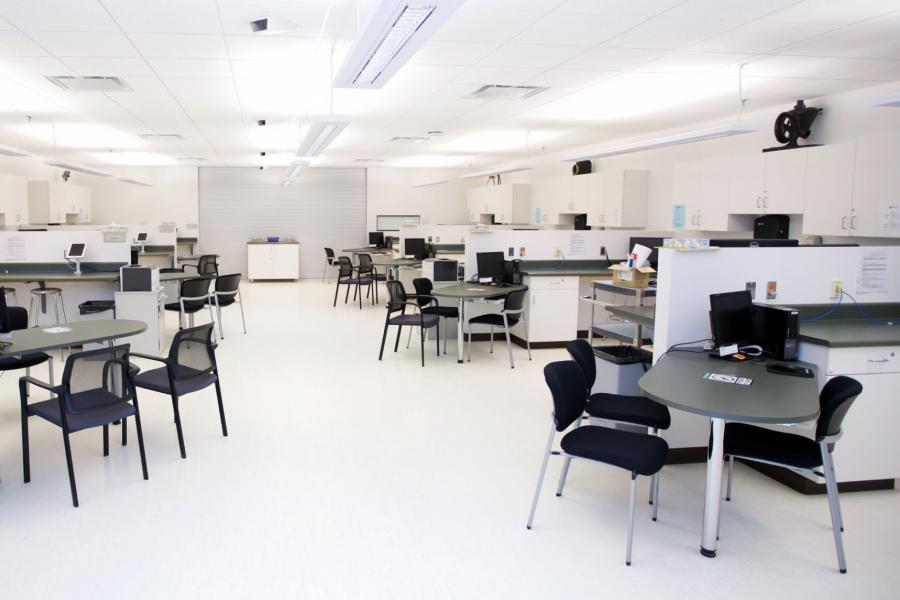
(631, 277)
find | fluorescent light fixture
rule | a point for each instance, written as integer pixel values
(61, 164)
(134, 181)
(889, 100)
(12, 151)
(686, 137)
(513, 167)
(295, 167)
(321, 132)
(432, 182)
(395, 31)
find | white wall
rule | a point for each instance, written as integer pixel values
(172, 197)
(390, 192)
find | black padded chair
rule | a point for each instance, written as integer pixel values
(397, 302)
(330, 261)
(193, 297)
(227, 291)
(97, 389)
(348, 276)
(365, 272)
(18, 319)
(190, 367)
(639, 453)
(430, 305)
(616, 408)
(206, 265)
(800, 453)
(513, 311)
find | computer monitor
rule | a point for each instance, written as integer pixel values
(746, 243)
(650, 242)
(491, 264)
(76, 251)
(731, 318)
(5, 327)
(414, 247)
(142, 237)
(376, 238)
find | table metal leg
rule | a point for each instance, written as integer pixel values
(459, 331)
(713, 489)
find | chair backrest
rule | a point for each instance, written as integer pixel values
(834, 402)
(207, 265)
(514, 300)
(17, 317)
(195, 287)
(192, 353)
(95, 379)
(582, 353)
(345, 267)
(396, 296)
(567, 386)
(329, 253)
(423, 287)
(365, 263)
(228, 284)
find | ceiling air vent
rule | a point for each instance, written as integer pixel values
(506, 92)
(409, 140)
(89, 84)
(162, 136)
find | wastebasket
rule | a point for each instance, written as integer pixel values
(619, 368)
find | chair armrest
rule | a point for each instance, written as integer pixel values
(149, 357)
(430, 297)
(56, 389)
(191, 265)
(513, 312)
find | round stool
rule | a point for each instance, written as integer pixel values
(39, 298)
(11, 295)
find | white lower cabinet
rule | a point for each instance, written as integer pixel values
(551, 308)
(273, 261)
(148, 307)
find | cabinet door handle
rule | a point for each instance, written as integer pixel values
(853, 222)
(843, 222)
(759, 202)
(765, 201)
(883, 360)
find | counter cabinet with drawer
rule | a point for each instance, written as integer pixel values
(278, 260)
(551, 307)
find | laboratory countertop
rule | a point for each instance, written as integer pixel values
(61, 276)
(848, 333)
(581, 268)
(643, 315)
(263, 242)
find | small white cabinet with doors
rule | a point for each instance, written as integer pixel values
(53, 202)
(829, 189)
(551, 308)
(702, 187)
(276, 260)
(768, 182)
(617, 198)
(509, 203)
(876, 185)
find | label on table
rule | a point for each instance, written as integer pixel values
(727, 378)
(57, 329)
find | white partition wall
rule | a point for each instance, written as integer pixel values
(50, 246)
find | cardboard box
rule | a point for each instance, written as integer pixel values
(631, 277)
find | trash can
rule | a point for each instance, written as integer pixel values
(93, 310)
(619, 368)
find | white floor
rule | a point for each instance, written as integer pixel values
(344, 477)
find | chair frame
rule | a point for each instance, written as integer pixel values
(330, 261)
(208, 299)
(402, 310)
(505, 312)
(215, 294)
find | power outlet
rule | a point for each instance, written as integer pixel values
(603, 251)
(837, 288)
(557, 252)
(750, 286)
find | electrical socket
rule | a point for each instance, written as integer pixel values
(837, 288)
(750, 286)
(603, 251)
(556, 251)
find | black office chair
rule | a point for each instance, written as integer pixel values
(397, 302)
(346, 272)
(430, 305)
(513, 312)
(206, 265)
(797, 452)
(190, 367)
(366, 276)
(330, 261)
(193, 297)
(17, 317)
(616, 408)
(97, 389)
(227, 291)
(639, 453)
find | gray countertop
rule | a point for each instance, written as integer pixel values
(63, 277)
(561, 268)
(253, 243)
(643, 315)
(848, 333)
(473, 291)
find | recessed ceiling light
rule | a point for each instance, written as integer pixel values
(686, 137)
(506, 92)
(134, 181)
(322, 132)
(162, 136)
(401, 139)
(61, 164)
(71, 83)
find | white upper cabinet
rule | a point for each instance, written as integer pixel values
(622, 199)
(52, 202)
(768, 182)
(876, 185)
(509, 203)
(829, 189)
(701, 185)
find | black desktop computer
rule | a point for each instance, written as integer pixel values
(775, 329)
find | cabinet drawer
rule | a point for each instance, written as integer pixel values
(874, 359)
(552, 282)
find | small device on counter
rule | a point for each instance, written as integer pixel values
(490, 266)
(440, 270)
(141, 237)
(76, 253)
(792, 370)
(138, 278)
(513, 272)
(771, 227)
(376, 238)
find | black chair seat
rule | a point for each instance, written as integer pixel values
(629, 409)
(49, 410)
(356, 280)
(449, 312)
(644, 454)
(224, 300)
(425, 321)
(494, 320)
(12, 363)
(189, 307)
(774, 446)
(158, 380)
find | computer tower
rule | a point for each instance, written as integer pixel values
(771, 227)
(775, 329)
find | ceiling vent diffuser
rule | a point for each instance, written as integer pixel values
(506, 92)
(402, 139)
(89, 84)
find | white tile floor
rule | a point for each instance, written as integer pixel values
(344, 477)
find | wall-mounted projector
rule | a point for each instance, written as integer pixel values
(794, 124)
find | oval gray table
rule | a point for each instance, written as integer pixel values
(395, 264)
(37, 339)
(676, 380)
(467, 292)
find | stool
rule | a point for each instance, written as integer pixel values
(39, 297)
(11, 295)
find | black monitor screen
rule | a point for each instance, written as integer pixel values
(731, 318)
(415, 247)
(651, 242)
(76, 251)
(4, 317)
(491, 264)
(376, 238)
(142, 237)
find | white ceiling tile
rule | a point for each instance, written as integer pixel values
(15, 43)
(452, 53)
(778, 65)
(837, 13)
(635, 8)
(33, 65)
(165, 16)
(56, 15)
(272, 47)
(187, 67)
(80, 43)
(530, 55)
(735, 11)
(479, 75)
(150, 84)
(847, 68)
(825, 88)
(614, 59)
(308, 16)
(760, 37)
(663, 33)
(571, 78)
(159, 45)
(576, 30)
(474, 23)
(134, 67)
(877, 38)
(691, 62)
(428, 73)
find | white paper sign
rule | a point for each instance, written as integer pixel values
(873, 272)
(576, 245)
(15, 249)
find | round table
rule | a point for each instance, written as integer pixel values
(78, 333)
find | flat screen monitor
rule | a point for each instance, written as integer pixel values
(414, 247)
(76, 251)
(745, 243)
(650, 242)
(491, 264)
(4, 316)
(142, 237)
(731, 318)
(376, 238)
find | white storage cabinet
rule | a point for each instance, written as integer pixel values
(277, 260)
(551, 308)
(616, 198)
(53, 202)
(509, 203)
